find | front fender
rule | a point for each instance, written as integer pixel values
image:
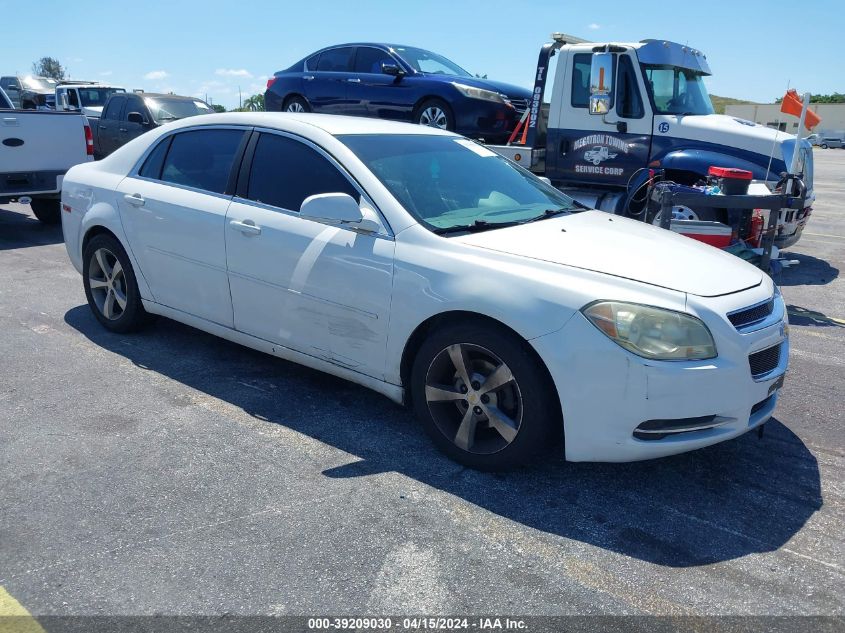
(697, 161)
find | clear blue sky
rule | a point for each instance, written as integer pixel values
(213, 47)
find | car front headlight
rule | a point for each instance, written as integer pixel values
(479, 93)
(650, 332)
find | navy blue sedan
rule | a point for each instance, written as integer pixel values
(402, 83)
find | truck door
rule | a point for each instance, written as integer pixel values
(595, 149)
(108, 128)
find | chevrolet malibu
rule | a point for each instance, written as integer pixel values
(420, 264)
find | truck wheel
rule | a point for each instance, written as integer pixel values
(48, 210)
(435, 113)
(110, 285)
(823, 145)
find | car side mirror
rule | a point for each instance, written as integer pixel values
(392, 70)
(136, 117)
(338, 209)
(601, 82)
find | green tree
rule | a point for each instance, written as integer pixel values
(49, 67)
(255, 103)
(836, 97)
(217, 107)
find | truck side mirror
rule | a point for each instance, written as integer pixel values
(601, 82)
(136, 117)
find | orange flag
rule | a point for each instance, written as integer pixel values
(793, 105)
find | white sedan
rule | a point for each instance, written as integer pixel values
(422, 265)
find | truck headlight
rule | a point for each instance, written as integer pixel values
(479, 93)
(650, 332)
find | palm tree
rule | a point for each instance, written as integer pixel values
(255, 103)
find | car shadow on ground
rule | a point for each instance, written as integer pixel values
(20, 229)
(811, 271)
(804, 316)
(737, 498)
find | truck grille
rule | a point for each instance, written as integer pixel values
(521, 105)
(764, 361)
(747, 317)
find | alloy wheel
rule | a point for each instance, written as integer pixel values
(295, 106)
(434, 117)
(107, 281)
(473, 398)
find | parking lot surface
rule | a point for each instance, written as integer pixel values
(171, 472)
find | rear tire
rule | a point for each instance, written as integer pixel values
(435, 113)
(48, 210)
(823, 145)
(110, 285)
(296, 104)
(507, 414)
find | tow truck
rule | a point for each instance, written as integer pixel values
(621, 117)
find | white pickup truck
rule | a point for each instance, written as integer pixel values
(36, 150)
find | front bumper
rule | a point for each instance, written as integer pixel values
(607, 392)
(491, 121)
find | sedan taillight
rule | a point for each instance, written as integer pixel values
(270, 82)
(89, 140)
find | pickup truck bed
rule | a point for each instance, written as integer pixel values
(36, 150)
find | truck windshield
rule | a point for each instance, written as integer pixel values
(448, 182)
(428, 62)
(95, 97)
(164, 110)
(676, 90)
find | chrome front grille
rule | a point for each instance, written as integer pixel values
(765, 361)
(521, 105)
(752, 315)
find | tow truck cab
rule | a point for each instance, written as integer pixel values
(616, 110)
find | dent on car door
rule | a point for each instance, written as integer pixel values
(174, 212)
(320, 289)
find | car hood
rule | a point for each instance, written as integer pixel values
(487, 84)
(617, 246)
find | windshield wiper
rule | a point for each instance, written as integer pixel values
(475, 227)
(548, 213)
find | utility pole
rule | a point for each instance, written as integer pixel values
(240, 100)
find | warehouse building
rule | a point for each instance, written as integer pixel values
(832, 115)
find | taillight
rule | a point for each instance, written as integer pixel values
(89, 140)
(270, 82)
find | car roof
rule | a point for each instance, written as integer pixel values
(331, 123)
(160, 95)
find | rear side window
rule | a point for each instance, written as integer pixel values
(337, 60)
(202, 159)
(311, 62)
(113, 108)
(155, 161)
(369, 60)
(581, 80)
(285, 172)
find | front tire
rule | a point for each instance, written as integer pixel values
(823, 145)
(483, 396)
(435, 113)
(110, 285)
(48, 210)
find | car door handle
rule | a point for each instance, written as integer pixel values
(134, 199)
(247, 227)
(123, 129)
(354, 80)
(308, 77)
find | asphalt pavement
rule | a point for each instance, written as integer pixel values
(171, 472)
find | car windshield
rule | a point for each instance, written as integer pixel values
(428, 62)
(676, 90)
(447, 182)
(95, 97)
(164, 110)
(39, 83)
